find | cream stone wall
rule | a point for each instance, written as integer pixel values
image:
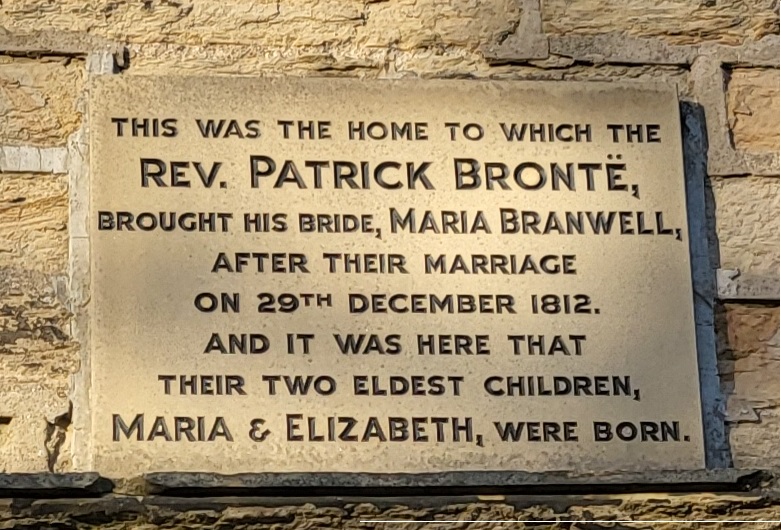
(676, 22)
(722, 54)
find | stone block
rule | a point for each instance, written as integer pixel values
(349, 61)
(405, 24)
(34, 222)
(735, 285)
(37, 357)
(747, 223)
(748, 351)
(674, 21)
(645, 510)
(38, 100)
(748, 329)
(169, 59)
(755, 445)
(190, 22)
(432, 24)
(753, 108)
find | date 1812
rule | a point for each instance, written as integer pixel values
(567, 304)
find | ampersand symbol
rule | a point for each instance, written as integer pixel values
(255, 432)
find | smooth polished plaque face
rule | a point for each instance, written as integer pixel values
(297, 275)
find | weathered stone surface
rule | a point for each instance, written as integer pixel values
(750, 330)
(254, 60)
(406, 24)
(735, 285)
(34, 221)
(36, 353)
(756, 53)
(36, 359)
(31, 159)
(756, 444)
(454, 65)
(159, 59)
(526, 40)
(620, 49)
(747, 223)
(748, 342)
(430, 24)
(557, 481)
(38, 100)
(752, 103)
(466, 513)
(53, 484)
(53, 42)
(675, 21)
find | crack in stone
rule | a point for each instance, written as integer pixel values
(56, 432)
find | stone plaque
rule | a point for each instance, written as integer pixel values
(296, 275)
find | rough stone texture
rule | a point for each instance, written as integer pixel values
(37, 100)
(168, 59)
(34, 221)
(752, 103)
(36, 359)
(36, 354)
(675, 21)
(195, 484)
(399, 24)
(54, 42)
(254, 60)
(735, 285)
(756, 443)
(748, 345)
(465, 513)
(52, 484)
(747, 223)
(615, 47)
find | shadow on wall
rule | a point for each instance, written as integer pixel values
(740, 393)
(704, 260)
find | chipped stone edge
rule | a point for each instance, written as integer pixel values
(709, 84)
(528, 42)
(176, 487)
(39, 160)
(695, 480)
(761, 53)
(734, 285)
(102, 57)
(56, 483)
(59, 43)
(619, 48)
(98, 63)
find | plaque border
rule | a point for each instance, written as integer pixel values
(700, 228)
